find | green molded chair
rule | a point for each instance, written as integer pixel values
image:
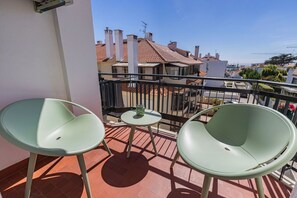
(241, 141)
(48, 127)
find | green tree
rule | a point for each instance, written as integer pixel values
(281, 59)
(270, 70)
(272, 73)
(249, 73)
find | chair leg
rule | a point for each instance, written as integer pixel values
(130, 140)
(260, 187)
(106, 147)
(175, 159)
(206, 185)
(152, 138)
(282, 172)
(83, 170)
(30, 171)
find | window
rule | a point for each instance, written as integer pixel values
(126, 71)
(114, 72)
(141, 70)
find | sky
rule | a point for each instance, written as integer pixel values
(241, 31)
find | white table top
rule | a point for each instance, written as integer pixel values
(150, 117)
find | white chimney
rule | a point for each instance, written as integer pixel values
(196, 52)
(149, 36)
(132, 54)
(108, 43)
(218, 56)
(118, 34)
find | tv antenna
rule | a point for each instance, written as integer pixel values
(144, 25)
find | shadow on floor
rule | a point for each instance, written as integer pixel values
(51, 185)
(119, 171)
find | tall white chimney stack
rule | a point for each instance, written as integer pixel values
(132, 54)
(108, 43)
(118, 34)
(149, 36)
(196, 52)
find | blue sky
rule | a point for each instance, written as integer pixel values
(242, 31)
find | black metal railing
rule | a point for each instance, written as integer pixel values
(178, 100)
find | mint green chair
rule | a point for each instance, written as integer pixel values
(241, 141)
(48, 127)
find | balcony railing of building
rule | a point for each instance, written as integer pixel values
(178, 101)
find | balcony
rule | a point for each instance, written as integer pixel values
(52, 55)
(144, 174)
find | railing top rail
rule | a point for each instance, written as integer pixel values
(203, 78)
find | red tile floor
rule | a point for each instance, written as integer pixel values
(143, 175)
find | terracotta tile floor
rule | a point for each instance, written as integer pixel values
(143, 175)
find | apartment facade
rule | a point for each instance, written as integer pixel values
(148, 56)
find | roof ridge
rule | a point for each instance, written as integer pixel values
(155, 50)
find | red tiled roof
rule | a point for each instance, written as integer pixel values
(148, 52)
(172, 56)
(182, 52)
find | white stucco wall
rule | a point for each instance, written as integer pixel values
(34, 62)
(290, 76)
(214, 69)
(77, 46)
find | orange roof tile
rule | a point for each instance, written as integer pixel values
(148, 52)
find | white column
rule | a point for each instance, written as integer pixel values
(118, 34)
(108, 43)
(132, 54)
(75, 35)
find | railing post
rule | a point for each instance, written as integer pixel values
(159, 93)
(255, 91)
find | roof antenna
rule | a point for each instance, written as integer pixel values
(144, 24)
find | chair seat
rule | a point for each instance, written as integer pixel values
(206, 154)
(71, 138)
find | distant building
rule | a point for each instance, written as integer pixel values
(214, 67)
(292, 76)
(232, 67)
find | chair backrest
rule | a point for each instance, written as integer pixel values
(261, 131)
(27, 122)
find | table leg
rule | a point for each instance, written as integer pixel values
(152, 137)
(106, 147)
(131, 136)
(175, 159)
(206, 185)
